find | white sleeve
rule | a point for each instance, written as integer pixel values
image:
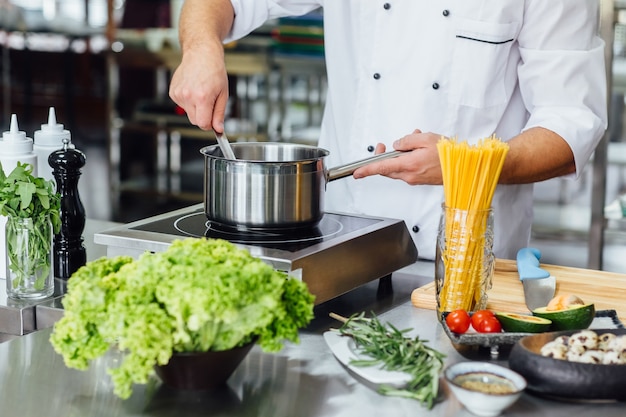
(251, 14)
(562, 75)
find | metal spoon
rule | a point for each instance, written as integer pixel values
(224, 144)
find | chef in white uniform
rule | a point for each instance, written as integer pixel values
(530, 71)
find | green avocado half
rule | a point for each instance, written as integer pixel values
(513, 322)
(574, 317)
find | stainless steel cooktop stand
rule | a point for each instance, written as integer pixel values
(330, 268)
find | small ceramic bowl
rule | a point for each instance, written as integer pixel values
(484, 388)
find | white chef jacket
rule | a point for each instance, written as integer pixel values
(460, 68)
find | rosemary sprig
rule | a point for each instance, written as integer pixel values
(389, 348)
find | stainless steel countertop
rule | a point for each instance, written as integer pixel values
(303, 380)
(18, 317)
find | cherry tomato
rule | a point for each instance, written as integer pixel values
(489, 325)
(479, 316)
(458, 321)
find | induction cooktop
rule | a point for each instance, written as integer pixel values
(342, 252)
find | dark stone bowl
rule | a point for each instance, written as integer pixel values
(201, 370)
(564, 379)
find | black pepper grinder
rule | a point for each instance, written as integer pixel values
(69, 252)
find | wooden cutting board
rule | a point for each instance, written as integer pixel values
(607, 290)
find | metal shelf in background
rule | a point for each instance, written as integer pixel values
(598, 194)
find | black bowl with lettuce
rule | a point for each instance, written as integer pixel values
(199, 295)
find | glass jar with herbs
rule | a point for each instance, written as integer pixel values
(32, 209)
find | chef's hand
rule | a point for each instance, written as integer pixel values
(418, 166)
(200, 86)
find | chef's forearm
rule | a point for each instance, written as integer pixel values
(536, 155)
(204, 23)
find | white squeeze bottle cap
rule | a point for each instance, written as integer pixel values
(47, 140)
(51, 133)
(14, 141)
(16, 147)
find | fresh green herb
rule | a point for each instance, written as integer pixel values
(198, 295)
(389, 348)
(24, 196)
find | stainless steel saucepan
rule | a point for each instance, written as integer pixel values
(270, 185)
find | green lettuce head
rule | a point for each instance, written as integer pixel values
(198, 295)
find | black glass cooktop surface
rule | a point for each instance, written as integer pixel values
(196, 224)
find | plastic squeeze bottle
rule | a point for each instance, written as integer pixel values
(15, 147)
(47, 140)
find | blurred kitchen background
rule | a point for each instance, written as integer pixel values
(104, 65)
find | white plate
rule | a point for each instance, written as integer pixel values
(345, 350)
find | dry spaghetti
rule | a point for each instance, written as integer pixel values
(470, 176)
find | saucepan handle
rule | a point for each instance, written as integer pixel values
(348, 169)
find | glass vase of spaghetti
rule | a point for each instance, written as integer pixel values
(465, 261)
